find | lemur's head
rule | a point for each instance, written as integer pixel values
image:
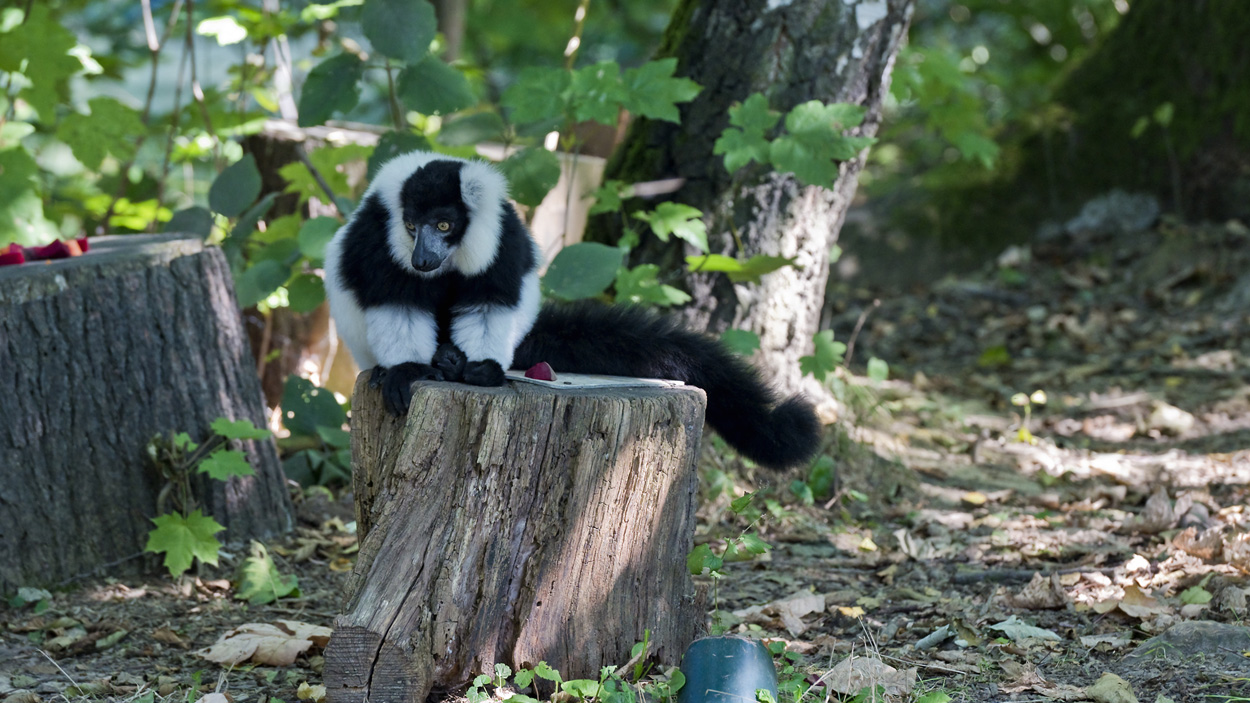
(444, 213)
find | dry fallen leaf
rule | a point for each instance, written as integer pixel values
(854, 674)
(1115, 640)
(1111, 689)
(1139, 604)
(168, 636)
(1041, 593)
(1207, 546)
(270, 644)
(1158, 514)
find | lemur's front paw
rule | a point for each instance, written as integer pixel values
(397, 384)
(450, 361)
(376, 377)
(483, 373)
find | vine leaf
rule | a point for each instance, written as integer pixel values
(182, 539)
(400, 29)
(235, 188)
(332, 86)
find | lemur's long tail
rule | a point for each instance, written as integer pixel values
(623, 340)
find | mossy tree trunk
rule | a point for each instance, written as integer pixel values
(791, 52)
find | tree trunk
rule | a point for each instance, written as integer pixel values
(100, 353)
(791, 52)
(516, 525)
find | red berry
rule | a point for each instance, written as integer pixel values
(541, 372)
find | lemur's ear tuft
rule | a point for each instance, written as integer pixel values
(481, 185)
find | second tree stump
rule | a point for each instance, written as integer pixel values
(516, 525)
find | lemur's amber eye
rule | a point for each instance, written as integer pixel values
(410, 227)
(444, 226)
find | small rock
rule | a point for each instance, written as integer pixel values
(1111, 689)
(1200, 642)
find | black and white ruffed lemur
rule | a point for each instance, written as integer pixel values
(435, 277)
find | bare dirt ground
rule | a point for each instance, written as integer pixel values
(980, 552)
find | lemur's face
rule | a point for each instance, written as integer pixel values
(434, 214)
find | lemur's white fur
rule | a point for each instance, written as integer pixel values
(392, 334)
(494, 332)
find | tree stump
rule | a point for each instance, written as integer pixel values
(515, 525)
(98, 354)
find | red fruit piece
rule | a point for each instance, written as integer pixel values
(13, 256)
(541, 372)
(83, 244)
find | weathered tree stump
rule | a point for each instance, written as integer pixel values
(98, 354)
(516, 525)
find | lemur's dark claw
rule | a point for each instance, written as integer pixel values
(376, 377)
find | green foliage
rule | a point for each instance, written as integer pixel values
(39, 49)
(183, 538)
(431, 87)
(185, 534)
(582, 270)
(399, 29)
(260, 582)
(109, 129)
(612, 686)
(332, 86)
(315, 420)
(811, 147)
(236, 188)
(677, 220)
(652, 91)
(748, 271)
(826, 357)
(393, 144)
(641, 284)
(193, 220)
(744, 342)
(532, 173)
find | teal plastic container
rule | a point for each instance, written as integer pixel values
(727, 669)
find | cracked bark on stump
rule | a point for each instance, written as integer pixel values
(99, 353)
(516, 525)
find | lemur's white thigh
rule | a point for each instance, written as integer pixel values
(399, 334)
(493, 332)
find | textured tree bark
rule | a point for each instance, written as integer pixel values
(98, 354)
(791, 52)
(516, 525)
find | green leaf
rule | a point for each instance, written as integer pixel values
(1139, 127)
(238, 429)
(245, 226)
(748, 271)
(641, 285)
(260, 582)
(332, 86)
(315, 234)
(260, 281)
(532, 173)
(934, 697)
(431, 87)
(743, 342)
(582, 270)
(652, 91)
(803, 492)
(523, 679)
(700, 558)
(678, 220)
(182, 539)
(610, 197)
(740, 504)
(21, 205)
(538, 95)
(763, 695)
(336, 437)
(39, 49)
(812, 165)
(472, 129)
(581, 688)
(1196, 595)
(544, 671)
(597, 93)
(878, 370)
(481, 680)
(502, 671)
(975, 146)
(305, 292)
(400, 29)
(747, 143)
(235, 188)
(822, 476)
(305, 407)
(393, 144)
(1163, 114)
(111, 128)
(828, 354)
(752, 543)
(193, 220)
(224, 463)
